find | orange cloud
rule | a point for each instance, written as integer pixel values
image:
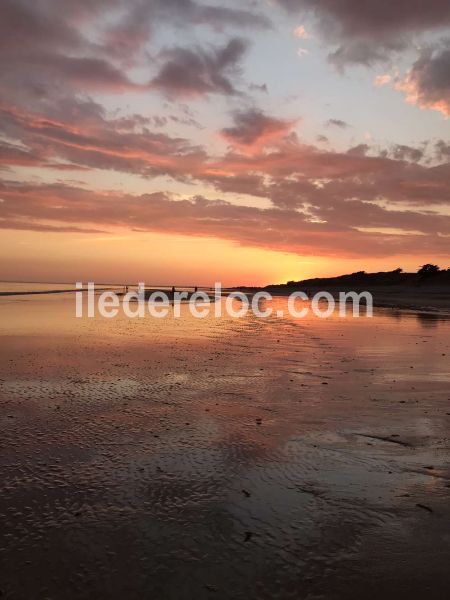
(419, 97)
(345, 228)
(381, 80)
(301, 32)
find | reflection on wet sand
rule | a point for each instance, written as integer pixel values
(430, 319)
(223, 458)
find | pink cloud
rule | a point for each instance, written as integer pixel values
(427, 84)
(253, 130)
(337, 229)
(381, 80)
(301, 32)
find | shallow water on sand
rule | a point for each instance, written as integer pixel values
(223, 458)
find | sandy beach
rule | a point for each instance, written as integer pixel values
(423, 299)
(223, 458)
(224, 300)
(418, 299)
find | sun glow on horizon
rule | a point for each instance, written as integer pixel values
(165, 259)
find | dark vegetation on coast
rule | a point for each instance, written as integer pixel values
(426, 290)
(428, 275)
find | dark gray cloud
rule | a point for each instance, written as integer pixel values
(359, 150)
(141, 17)
(54, 48)
(428, 82)
(442, 151)
(195, 71)
(404, 152)
(337, 123)
(259, 87)
(363, 31)
(216, 16)
(253, 128)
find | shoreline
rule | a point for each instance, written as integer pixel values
(191, 446)
(426, 301)
(36, 292)
(419, 300)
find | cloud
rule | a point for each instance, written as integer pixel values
(95, 142)
(359, 150)
(94, 74)
(44, 46)
(296, 175)
(11, 154)
(369, 31)
(301, 32)
(427, 84)
(442, 150)
(264, 154)
(381, 80)
(135, 26)
(54, 48)
(337, 123)
(259, 87)
(56, 54)
(67, 208)
(404, 152)
(216, 16)
(322, 201)
(19, 225)
(253, 130)
(188, 72)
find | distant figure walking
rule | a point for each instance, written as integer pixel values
(173, 290)
(195, 289)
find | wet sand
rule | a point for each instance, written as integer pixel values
(423, 299)
(414, 298)
(223, 458)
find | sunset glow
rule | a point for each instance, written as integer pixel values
(190, 142)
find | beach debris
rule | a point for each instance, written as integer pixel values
(246, 494)
(258, 420)
(248, 536)
(425, 507)
(383, 438)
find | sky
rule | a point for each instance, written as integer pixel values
(248, 142)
